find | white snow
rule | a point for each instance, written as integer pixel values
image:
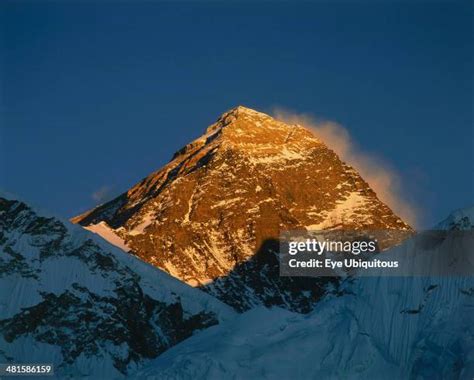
(226, 202)
(381, 328)
(68, 264)
(342, 212)
(217, 251)
(146, 220)
(102, 229)
(461, 219)
(265, 154)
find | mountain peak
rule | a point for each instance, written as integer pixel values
(242, 110)
(462, 219)
(213, 209)
(239, 114)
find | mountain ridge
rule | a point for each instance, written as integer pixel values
(222, 196)
(74, 300)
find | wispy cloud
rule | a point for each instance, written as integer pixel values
(103, 194)
(382, 178)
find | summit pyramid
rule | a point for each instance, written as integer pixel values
(211, 216)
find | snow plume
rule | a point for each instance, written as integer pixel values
(383, 179)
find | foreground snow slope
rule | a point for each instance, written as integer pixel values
(68, 297)
(381, 328)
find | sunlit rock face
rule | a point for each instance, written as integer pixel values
(211, 217)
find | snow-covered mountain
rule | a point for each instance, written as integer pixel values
(211, 216)
(69, 298)
(462, 219)
(380, 328)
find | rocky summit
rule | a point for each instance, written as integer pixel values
(212, 216)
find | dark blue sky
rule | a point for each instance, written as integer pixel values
(98, 95)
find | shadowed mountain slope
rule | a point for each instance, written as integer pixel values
(69, 298)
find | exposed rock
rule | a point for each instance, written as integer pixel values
(205, 215)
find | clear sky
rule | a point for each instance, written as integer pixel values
(95, 96)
